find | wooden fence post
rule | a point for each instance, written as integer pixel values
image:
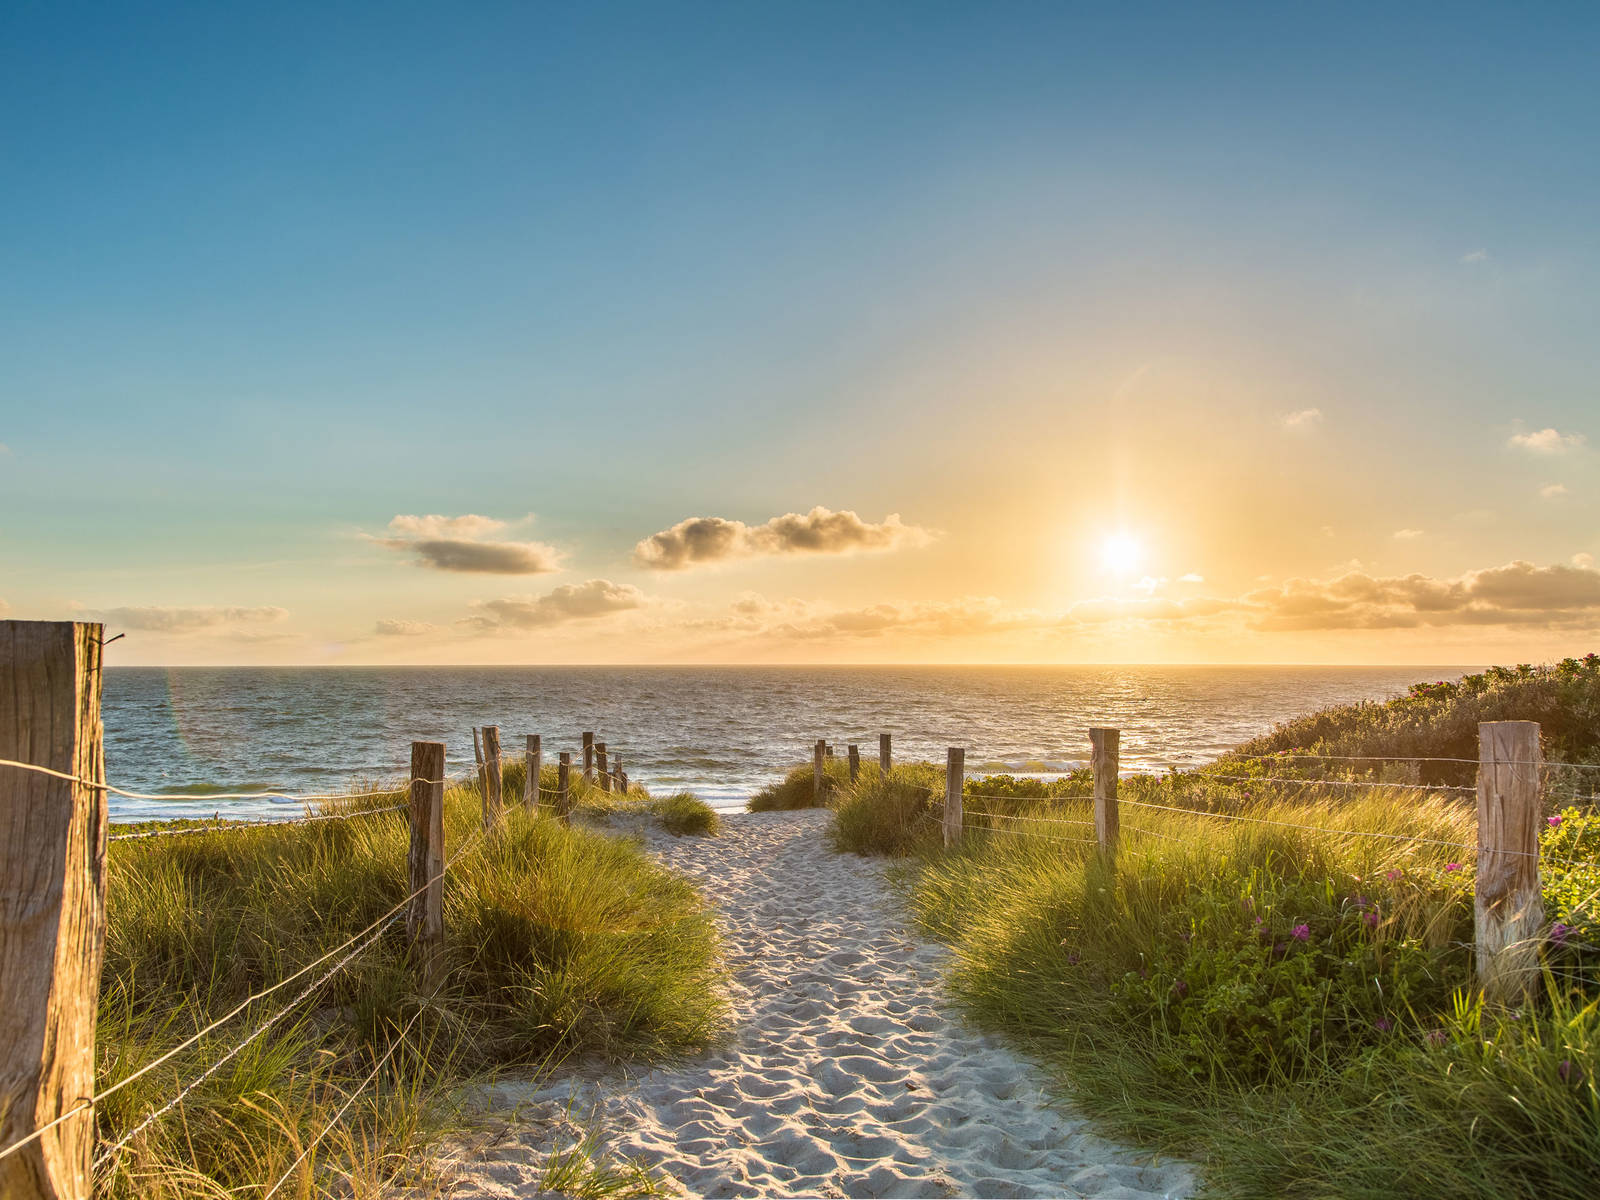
(955, 774)
(883, 753)
(588, 756)
(620, 774)
(600, 766)
(425, 915)
(827, 749)
(1106, 747)
(819, 774)
(563, 784)
(534, 756)
(1507, 907)
(855, 762)
(492, 775)
(52, 903)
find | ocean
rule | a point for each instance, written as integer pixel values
(721, 732)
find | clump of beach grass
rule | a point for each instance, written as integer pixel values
(685, 813)
(560, 942)
(798, 787)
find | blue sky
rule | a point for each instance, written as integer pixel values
(270, 277)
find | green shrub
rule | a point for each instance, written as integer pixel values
(686, 813)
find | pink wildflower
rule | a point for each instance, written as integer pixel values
(1565, 1070)
(1559, 933)
(1436, 1038)
(1452, 866)
(1383, 1024)
(1553, 822)
(1370, 919)
(1391, 876)
(1302, 933)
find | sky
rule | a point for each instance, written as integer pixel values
(814, 333)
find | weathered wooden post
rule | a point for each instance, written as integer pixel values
(563, 786)
(827, 749)
(620, 775)
(883, 753)
(855, 762)
(1508, 908)
(52, 904)
(819, 773)
(425, 914)
(588, 756)
(955, 774)
(492, 775)
(600, 766)
(534, 757)
(1106, 749)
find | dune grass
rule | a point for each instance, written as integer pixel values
(685, 813)
(559, 942)
(1291, 1003)
(797, 789)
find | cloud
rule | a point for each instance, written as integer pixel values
(938, 618)
(1551, 490)
(395, 627)
(1582, 559)
(163, 619)
(570, 602)
(1192, 577)
(1475, 256)
(5, 450)
(1406, 535)
(1518, 593)
(1547, 441)
(1303, 421)
(700, 540)
(462, 544)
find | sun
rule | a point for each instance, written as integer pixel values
(1120, 553)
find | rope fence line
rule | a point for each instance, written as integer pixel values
(234, 826)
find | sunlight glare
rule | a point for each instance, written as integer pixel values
(1120, 553)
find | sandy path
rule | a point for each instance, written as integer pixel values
(844, 1076)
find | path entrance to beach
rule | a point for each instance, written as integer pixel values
(847, 1074)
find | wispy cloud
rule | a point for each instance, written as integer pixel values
(1475, 256)
(396, 627)
(701, 540)
(1303, 421)
(1551, 491)
(1407, 535)
(1547, 441)
(464, 544)
(570, 602)
(175, 619)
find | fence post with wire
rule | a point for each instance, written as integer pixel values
(425, 914)
(819, 776)
(588, 756)
(493, 777)
(563, 787)
(600, 766)
(1106, 749)
(1508, 909)
(52, 905)
(955, 772)
(534, 758)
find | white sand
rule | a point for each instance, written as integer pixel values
(847, 1074)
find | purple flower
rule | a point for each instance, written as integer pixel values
(1565, 1070)
(1559, 933)
(1370, 919)
(1436, 1038)
(1391, 876)
(1452, 866)
(1552, 821)
(1180, 987)
(1383, 1024)
(1302, 933)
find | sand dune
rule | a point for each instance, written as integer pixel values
(847, 1073)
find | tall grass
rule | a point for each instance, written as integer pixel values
(559, 942)
(798, 789)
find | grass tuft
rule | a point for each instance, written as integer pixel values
(685, 813)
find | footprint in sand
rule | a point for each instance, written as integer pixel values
(847, 1074)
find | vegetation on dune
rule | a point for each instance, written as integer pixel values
(798, 787)
(1283, 998)
(1440, 720)
(559, 941)
(685, 813)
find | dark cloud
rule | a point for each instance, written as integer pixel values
(464, 544)
(701, 540)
